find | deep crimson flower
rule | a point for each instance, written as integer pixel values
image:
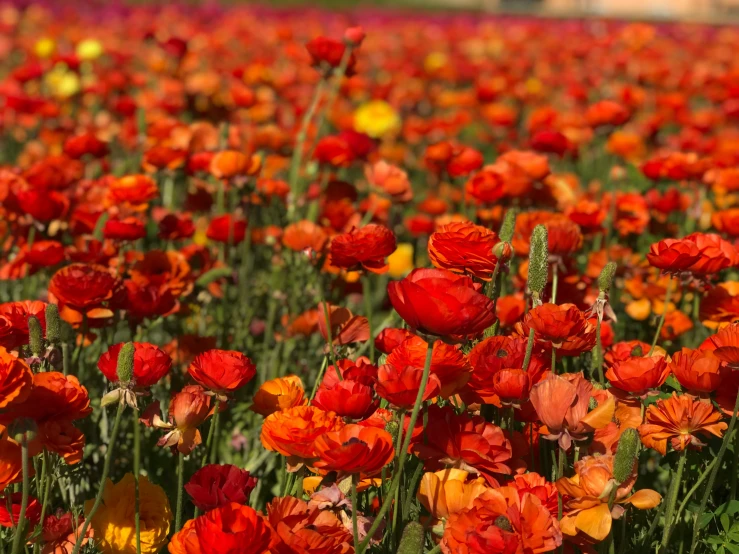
(174, 226)
(222, 371)
(366, 248)
(215, 485)
(43, 205)
(150, 364)
(438, 302)
(85, 143)
(334, 151)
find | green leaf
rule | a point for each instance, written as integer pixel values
(704, 520)
(213, 275)
(725, 522)
(731, 507)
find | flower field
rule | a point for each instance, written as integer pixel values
(300, 281)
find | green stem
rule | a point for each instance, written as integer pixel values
(555, 281)
(675, 486)
(403, 454)
(20, 528)
(103, 478)
(323, 305)
(597, 360)
(668, 296)
(180, 485)
(136, 474)
(529, 350)
(355, 526)
(712, 478)
(319, 378)
(691, 492)
(210, 447)
(367, 293)
(735, 467)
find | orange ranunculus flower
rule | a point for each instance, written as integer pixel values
(487, 185)
(448, 492)
(304, 324)
(222, 371)
(17, 314)
(229, 163)
(587, 214)
(438, 302)
(134, 190)
(502, 520)
(465, 442)
(187, 410)
(726, 221)
(389, 179)
(714, 253)
(353, 396)
(721, 303)
(62, 437)
(463, 247)
(676, 325)
(607, 112)
(84, 287)
(399, 385)
(279, 394)
(587, 515)
(11, 467)
(637, 375)
(564, 237)
(696, 370)
(562, 401)
(526, 222)
(293, 432)
(673, 255)
(185, 541)
(725, 345)
(59, 533)
(560, 326)
(233, 528)
(305, 236)
(448, 363)
(366, 248)
(538, 486)
(354, 449)
(346, 328)
(16, 379)
(679, 419)
(168, 270)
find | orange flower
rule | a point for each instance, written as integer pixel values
(354, 449)
(187, 410)
(725, 345)
(16, 379)
(62, 437)
(233, 528)
(463, 247)
(714, 253)
(679, 419)
(560, 326)
(165, 270)
(587, 514)
(229, 163)
(17, 314)
(696, 370)
(673, 255)
(84, 287)
(11, 467)
(305, 236)
(562, 401)
(133, 190)
(564, 237)
(448, 492)
(222, 371)
(727, 221)
(390, 179)
(502, 520)
(637, 375)
(293, 432)
(278, 394)
(346, 327)
(185, 541)
(366, 248)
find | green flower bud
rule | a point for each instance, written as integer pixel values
(413, 538)
(382, 360)
(23, 427)
(53, 324)
(35, 336)
(538, 260)
(509, 224)
(125, 363)
(626, 453)
(606, 277)
(393, 428)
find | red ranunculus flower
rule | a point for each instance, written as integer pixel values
(462, 247)
(10, 518)
(673, 255)
(129, 228)
(150, 364)
(366, 248)
(222, 371)
(354, 449)
(233, 529)
(225, 228)
(84, 286)
(215, 485)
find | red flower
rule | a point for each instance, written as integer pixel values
(346, 328)
(389, 338)
(327, 53)
(42, 205)
(84, 286)
(354, 449)
(696, 370)
(233, 529)
(11, 518)
(352, 397)
(216, 485)
(334, 151)
(366, 248)
(673, 255)
(462, 247)
(438, 302)
(637, 375)
(560, 326)
(714, 253)
(399, 385)
(129, 228)
(150, 364)
(17, 314)
(226, 228)
(222, 371)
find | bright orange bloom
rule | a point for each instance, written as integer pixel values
(562, 401)
(564, 237)
(696, 370)
(502, 521)
(11, 466)
(560, 326)
(353, 396)
(84, 287)
(222, 371)
(304, 236)
(150, 364)
(727, 221)
(638, 374)
(293, 432)
(680, 419)
(725, 345)
(187, 410)
(390, 179)
(233, 528)
(354, 449)
(16, 379)
(17, 314)
(168, 270)
(587, 515)
(133, 190)
(278, 394)
(673, 255)
(185, 541)
(229, 163)
(448, 492)
(366, 248)
(463, 247)
(714, 253)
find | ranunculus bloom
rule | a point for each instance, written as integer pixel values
(17, 314)
(399, 385)
(366, 248)
(638, 374)
(42, 205)
(293, 432)
(448, 492)
(304, 236)
(233, 529)
(346, 328)
(502, 521)
(168, 270)
(465, 442)
(132, 189)
(354, 449)
(150, 364)
(114, 521)
(10, 518)
(463, 247)
(62, 437)
(560, 326)
(129, 228)
(185, 541)
(222, 371)
(725, 345)
(226, 228)
(563, 236)
(562, 402)
(673, 255)
(353, 395)
(59, 533)
(680, 419)
(326, 51)
(84, 286)
(187, 410)
(11, 464)
(588, 492)
(216, 485)
(389, 338)
(714, 253)
(390, 179)
(16, 379)
(438, 302)
(281, 393)
(448, 363)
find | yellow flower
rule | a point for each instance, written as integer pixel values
(400, 261)
(376, 118)
(44, 47)
(435, 61)
(89, 49)
(61, 82)
(114, 521)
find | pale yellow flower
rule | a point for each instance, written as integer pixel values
(376, 118)
(89, 49)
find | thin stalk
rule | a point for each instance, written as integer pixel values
(529, 350)
(210, 445)
(355, 525)
(319, 378)
(702, 477)
(597, 361)
(136, 474)
(735, 467)
(329, 337)
(180, 485)
(672, 499)
(555, 281)
(103, 478)
(403, 453)
(20, 528)
(367, 293)
(668, 296)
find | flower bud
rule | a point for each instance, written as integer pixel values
(503, 251)
(413, 538)
(509, 224)
(23, 427)
(124, 369)
(354, 36)
(606, 277)
(626, 453)
(538, 260)
(393, 428)
(35, 336)
(53, 324)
